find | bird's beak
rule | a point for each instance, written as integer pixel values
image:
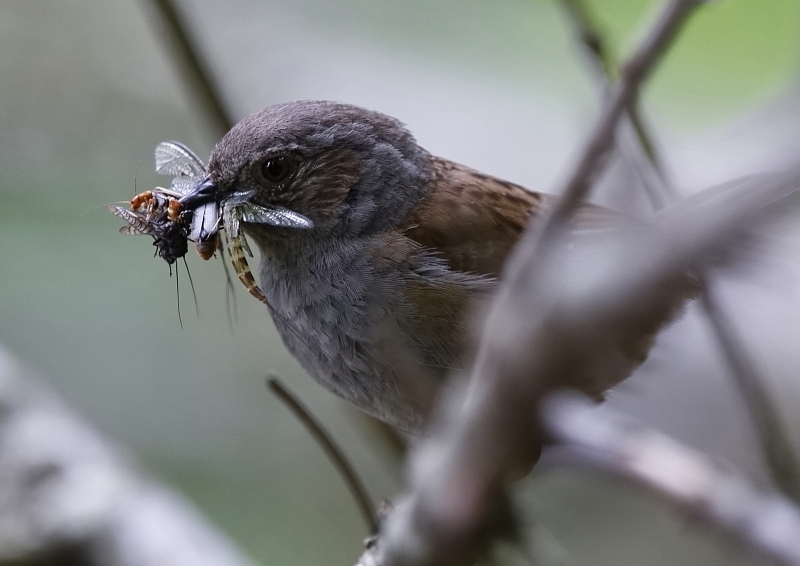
(206, 192)
(201, 194)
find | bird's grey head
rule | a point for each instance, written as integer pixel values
(350, 170)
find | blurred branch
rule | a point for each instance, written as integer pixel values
(775, 442)
(776, 445)
(194, 70)
(596, 438)
(334, 453)
(633, 136)
(561, 331)
(632, 74)
(67, 496)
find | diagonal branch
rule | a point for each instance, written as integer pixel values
(596, 438)
(561, 332)
(68, 495)
(195, 71)
(542, 332)
(633, 137)
(774, 441)
(334, 453)
(632, 74)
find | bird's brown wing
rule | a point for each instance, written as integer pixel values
(472, 220)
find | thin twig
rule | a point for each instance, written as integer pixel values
(334, 453)
(633, 136)
(605, 67)
(597, 438)
(776, 445)
(774, 441)
(195, 71)
(632, 74)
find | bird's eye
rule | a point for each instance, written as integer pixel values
(277, 169)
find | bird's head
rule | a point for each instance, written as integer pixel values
(349, 170)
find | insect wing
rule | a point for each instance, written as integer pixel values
(230, 219)
(136, 223)
(175, 159)
(131, 231)
(183, 185)
(272, 216)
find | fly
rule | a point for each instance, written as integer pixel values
(159, 213)
(156, 213)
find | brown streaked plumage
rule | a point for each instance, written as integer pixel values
(473, 219)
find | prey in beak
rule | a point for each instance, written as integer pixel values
(193, 209)
(214, 211)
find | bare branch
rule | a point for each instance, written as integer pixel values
(596, 438)
(542, 333)
(334, 453)
(633, 136)
(776, 446)
(563, 331)
(632, 75)
(775, 442)
(67, 496)
(194, 70)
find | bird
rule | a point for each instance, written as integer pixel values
(376, 301)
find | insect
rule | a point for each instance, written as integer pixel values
(188, 171)
(160, 214)
(156, 213)
(236, 209)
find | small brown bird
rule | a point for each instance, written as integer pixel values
(373, 299)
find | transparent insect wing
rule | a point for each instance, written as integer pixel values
(242, 240)
(131, 231)
(273, 216)
(175, 159)
(136, 223)
(182, 185)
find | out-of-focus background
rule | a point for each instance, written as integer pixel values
(87, 91)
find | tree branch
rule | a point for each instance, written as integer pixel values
(562, 332)
(596, 438)
(775, 443)
(67, 496)
(632, 75)
(194, 70)
(334, 453)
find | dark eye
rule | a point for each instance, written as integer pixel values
(277, 169)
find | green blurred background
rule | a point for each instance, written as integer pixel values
(87, 91)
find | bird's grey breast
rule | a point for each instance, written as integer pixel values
(331, 304)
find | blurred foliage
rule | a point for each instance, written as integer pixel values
(732, 52)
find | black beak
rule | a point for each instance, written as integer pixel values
(201, 194)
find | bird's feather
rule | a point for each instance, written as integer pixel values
(472, 220)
